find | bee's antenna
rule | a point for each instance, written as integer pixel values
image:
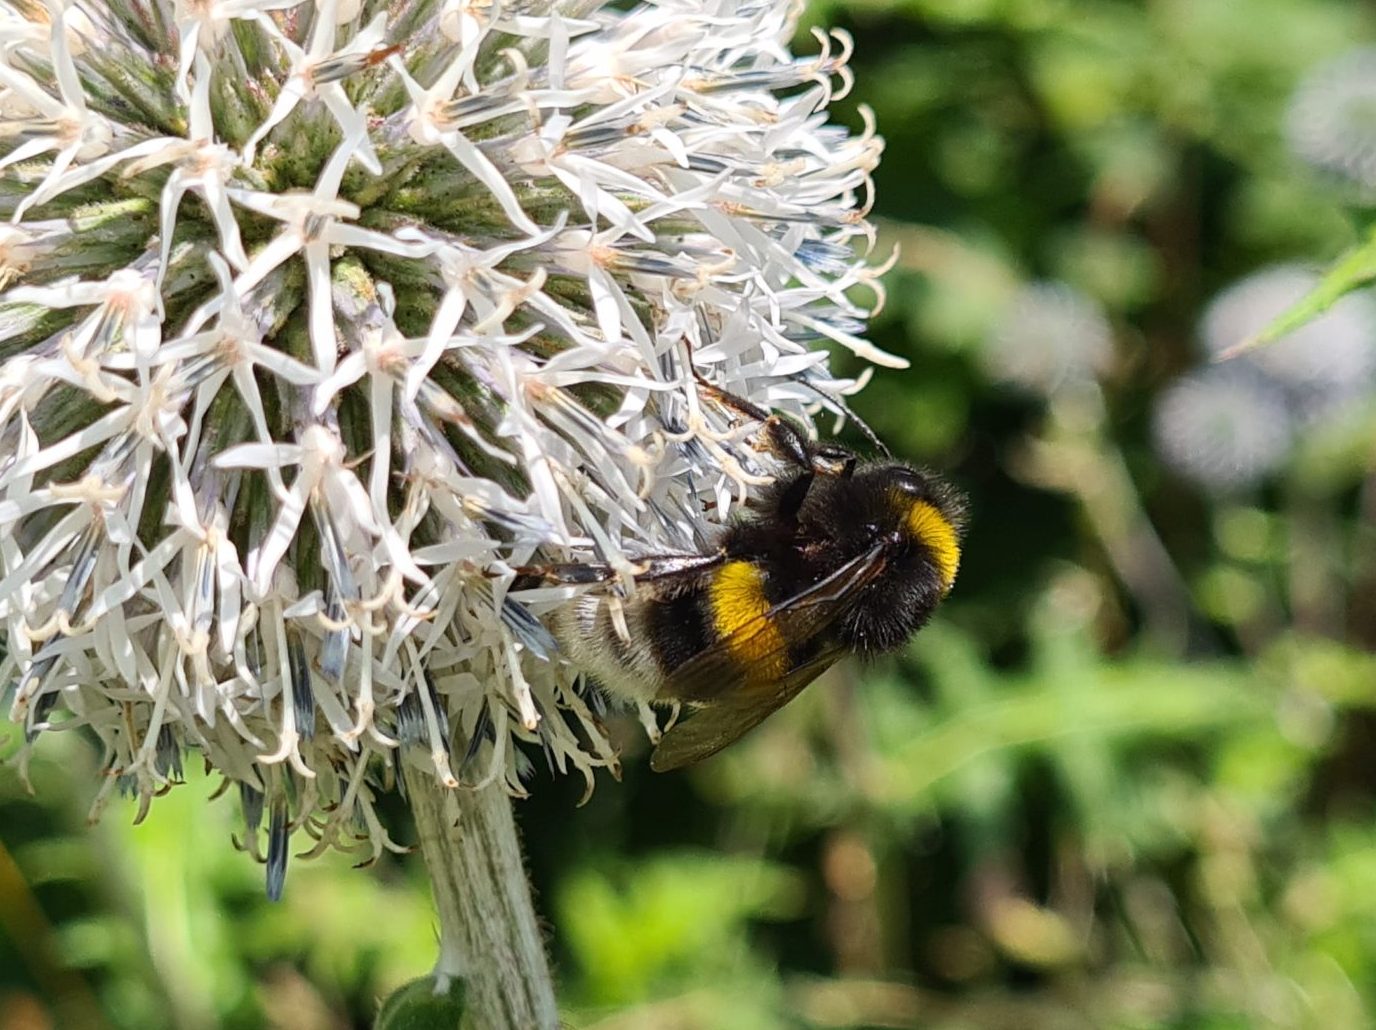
(845, 410)
(749, 410)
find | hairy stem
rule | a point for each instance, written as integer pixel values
(488, 932)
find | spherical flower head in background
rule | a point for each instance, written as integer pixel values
(319, 317)
(1321, 367)
(1331, 122)
(1224, 427)
(1050, 335)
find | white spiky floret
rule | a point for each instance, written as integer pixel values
(1330, 119)
(319, 317)
(1223, 426)
(1049, 336)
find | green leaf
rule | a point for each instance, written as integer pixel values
(1352, 271)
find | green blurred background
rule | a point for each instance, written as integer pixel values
(1128, 777)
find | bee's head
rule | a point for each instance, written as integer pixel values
(929, 513)
(918, 519)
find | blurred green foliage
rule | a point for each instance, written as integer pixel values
(1126, 780)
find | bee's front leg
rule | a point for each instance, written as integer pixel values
(786, 441)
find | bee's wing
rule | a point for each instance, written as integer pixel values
(707, 731)
(716, 672)
(739, 704)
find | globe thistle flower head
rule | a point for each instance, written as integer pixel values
(1050, 335)
(320, 317)
(1223, 427)
(1321, 367)
(1331, 121)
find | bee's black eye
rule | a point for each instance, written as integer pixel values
(908, 481)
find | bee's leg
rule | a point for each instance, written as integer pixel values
(592, 573)
(721, 396)
(670, 565)
(786, 441)
(568, 574)
(790, 500)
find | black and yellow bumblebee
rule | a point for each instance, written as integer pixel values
(838, 556)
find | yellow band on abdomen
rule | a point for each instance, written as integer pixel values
(934, 531)
(739, 607)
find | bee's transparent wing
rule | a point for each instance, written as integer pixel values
(716, 672)
(712, 728)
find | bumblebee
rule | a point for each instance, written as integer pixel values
(838, 556)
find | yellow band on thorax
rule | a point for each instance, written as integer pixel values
(739, 607)
(934, 531)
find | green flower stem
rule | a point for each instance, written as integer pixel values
(488, 932)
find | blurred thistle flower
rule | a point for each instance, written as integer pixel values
(1050, 335)
(1331, 122)
(1320, 367)
(320, 316)
(1223, 427)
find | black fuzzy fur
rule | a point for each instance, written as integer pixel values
(841, 518)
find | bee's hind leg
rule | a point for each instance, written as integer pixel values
(668, 566)
(566, 574)
(653, 567)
